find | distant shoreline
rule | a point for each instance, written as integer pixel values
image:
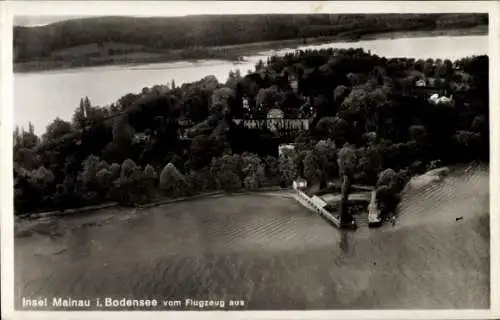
(234, 52)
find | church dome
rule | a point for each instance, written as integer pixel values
(275, 114)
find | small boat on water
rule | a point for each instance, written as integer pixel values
(373, 212)
(374, 221)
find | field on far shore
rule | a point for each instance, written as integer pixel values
(273, 253)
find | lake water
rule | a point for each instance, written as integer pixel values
(40, 97)
(271, 252)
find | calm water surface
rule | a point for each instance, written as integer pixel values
(271, 252)
(40, 97)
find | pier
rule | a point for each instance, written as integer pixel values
(318, 203)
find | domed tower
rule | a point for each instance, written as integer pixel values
(274, 116)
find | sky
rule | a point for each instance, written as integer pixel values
(33, 13)
(31, 21)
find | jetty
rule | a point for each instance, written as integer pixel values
(321, 202)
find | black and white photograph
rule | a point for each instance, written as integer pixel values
(289, 157)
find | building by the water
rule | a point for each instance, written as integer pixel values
(283, 147)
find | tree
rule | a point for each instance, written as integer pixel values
(24, 152)
(81, 113)
(388, 177)
(125, 102)
(419, 65)
(260, 65)
(120, 148)
(253, 170)
(419, 134)
(172, 182)
(326, 153)
(150, 179)
(33, 189)
(123, 133)
(322, 106)
(202, 150)
(129, 170)
(208, 83)
(222, 97)
(57, 129)
(291, 102)
(88, 175)
(445, 70)
(269, 97)
(227, 172)
(334, 128)
(355, 103)
(233, 79)
(204, 180)
(428, 69)
(149, 173)
(468, 143)
(287, 167)
(26, 158)
(114, 171)
(195, 104)
(272, 169)
(389, 185)
(312, 171)
(340, 93)
(42, 178)
(479, 124)
(147, 109)
(387, 200)
(347, 164)
(127, 186)
(26, 139)
(103, 179)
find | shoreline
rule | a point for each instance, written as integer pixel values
(35, 216)
(25, 222)
(234, 53)
(55, 223)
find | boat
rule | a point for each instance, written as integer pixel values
(373, 212)
(374, 221)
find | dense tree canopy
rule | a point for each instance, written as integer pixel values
(369, 121)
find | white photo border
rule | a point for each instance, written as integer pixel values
(9, 9)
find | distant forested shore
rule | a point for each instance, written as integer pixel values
(127, 40)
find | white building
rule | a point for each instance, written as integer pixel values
(246, 105)
(299, 184)
(420, 83)
(436, 99)
(283, 147)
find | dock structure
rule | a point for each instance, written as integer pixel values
(318, 205)
(355, 187)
